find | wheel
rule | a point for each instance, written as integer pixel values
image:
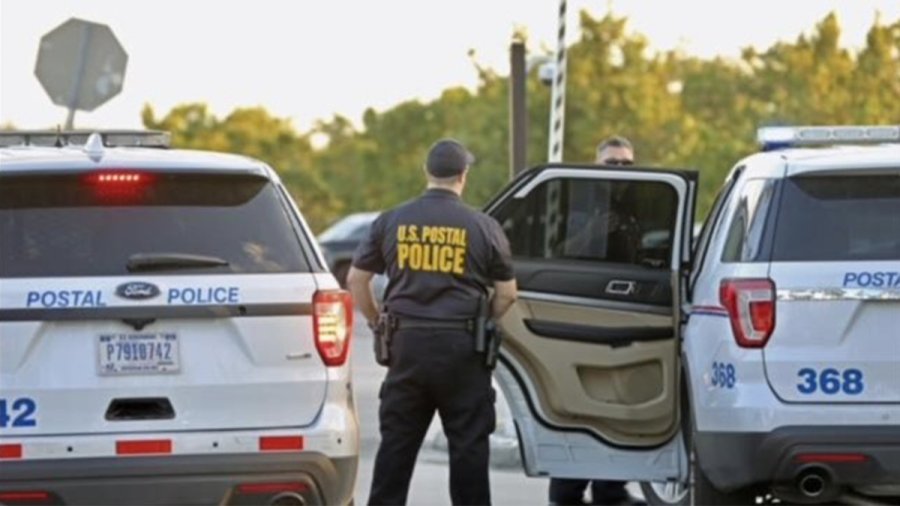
(703, 491)
(660, 493)
(699, 490)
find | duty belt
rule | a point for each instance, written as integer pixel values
(406, 323)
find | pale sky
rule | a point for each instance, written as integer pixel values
(310, 60)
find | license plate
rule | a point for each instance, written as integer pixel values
(138, 353)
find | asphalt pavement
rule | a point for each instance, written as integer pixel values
(430, 485)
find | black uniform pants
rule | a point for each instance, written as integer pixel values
(435, 370)
(566, 492)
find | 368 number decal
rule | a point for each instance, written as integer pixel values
(723, 375)
(18, 413)
(830, 381)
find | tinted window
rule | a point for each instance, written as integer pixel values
(76, 226)
(623, 222)
(702, 244)
(839, 218)
(745, 234)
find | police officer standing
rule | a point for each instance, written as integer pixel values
(440, 257)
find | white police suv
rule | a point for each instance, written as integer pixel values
(168, 331)
(763, 361)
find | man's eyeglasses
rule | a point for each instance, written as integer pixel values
(618, 161)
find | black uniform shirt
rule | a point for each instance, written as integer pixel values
(439, 254)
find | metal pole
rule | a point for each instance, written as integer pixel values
(70, 119)
(75, 95)
(558, 101)
(518, 139)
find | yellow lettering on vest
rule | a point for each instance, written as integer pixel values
(401, 233)
(459, 261)
(435, 258)
(446, 259)
(427, 264)
(402, 255)
(415, 257)
(412, 233)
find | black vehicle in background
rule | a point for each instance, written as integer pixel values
(339, 242)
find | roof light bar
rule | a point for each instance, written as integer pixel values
(775, 137)
(110, 138)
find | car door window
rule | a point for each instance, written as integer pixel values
(706, 234)
(594, 220)
(745, 234)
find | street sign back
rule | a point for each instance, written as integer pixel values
(81, 65)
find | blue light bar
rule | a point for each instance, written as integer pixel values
(776, 137)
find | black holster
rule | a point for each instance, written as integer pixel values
(383, 334)
(487, 334)
(495, 339)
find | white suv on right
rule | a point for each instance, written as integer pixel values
(793, 344)
(762, 360)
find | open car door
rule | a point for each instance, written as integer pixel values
(590, 362)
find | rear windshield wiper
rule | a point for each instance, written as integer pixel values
(167, 261)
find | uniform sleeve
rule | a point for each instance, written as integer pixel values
(369, 256)
(501, 265)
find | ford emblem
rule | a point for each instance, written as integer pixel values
(137, 290)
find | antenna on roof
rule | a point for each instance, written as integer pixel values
(59, 141)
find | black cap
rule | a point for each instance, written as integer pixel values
(448, 158)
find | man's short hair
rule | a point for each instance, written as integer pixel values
(616, 141)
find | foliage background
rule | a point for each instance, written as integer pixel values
(678, 110)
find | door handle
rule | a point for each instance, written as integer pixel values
(620, 287)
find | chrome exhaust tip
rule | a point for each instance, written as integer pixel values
(288, 499)
(813, 483)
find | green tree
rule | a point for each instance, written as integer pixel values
(254, 132)
(679, 110)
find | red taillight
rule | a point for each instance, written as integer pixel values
(118, 186)
(119, 178)
(24, 497)
(751, 307)
(271, 488)
(281, 443)
(149, 447)
(9, 451)
(831, 458)
(332, 325)
(113, 178)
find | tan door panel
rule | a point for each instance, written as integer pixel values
(626, 394)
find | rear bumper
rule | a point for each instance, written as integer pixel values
(734, 460)
(187, 479)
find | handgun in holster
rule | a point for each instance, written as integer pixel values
(384, 334)
(487, 335)
(495, 339)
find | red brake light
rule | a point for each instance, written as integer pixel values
(148, 447)
(24, 497)
(831, 458)
(333, 325)
(118, 178)
(751, 307)
(271, 488)
(10, 451)
(119, 186)
(281, 443)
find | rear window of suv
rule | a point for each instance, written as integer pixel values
(839, 218)
(97, 225)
